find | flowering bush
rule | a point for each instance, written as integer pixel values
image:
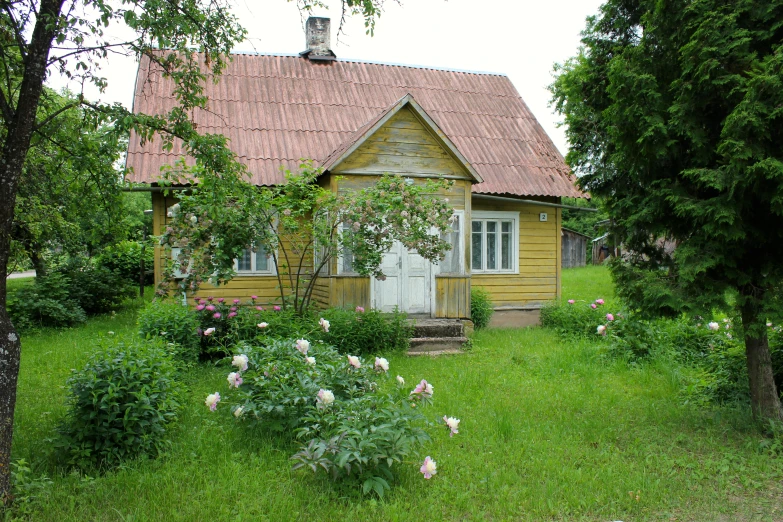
(120, 405)
(366, 332)
(577, 317)
(173, 323)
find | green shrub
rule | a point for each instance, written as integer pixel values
(120, 405)
(172, 323)
(45, 303)
(347, 428)
(124, 258)
(358, 332)
(577, 318)
(480, 307)
(97, 289)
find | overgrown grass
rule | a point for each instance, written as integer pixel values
(548, 432)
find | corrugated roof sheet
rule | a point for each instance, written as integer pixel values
(277, 110)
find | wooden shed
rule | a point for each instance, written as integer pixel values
(574, 248)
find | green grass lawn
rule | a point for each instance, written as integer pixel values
(549, 431)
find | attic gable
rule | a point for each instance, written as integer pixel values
(402, 139)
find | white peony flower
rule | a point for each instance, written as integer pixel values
(381, 364)
(713, 326)
(400, 380)
(324, 324)
(238, 412)
(310, 360)
(354, 361)
(240, 361)
(303, 346)
(325, 398)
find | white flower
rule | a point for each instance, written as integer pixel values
(601, 330)
(310, 360)
(354, 361)
(303, 345)
(324, 324)
(381, 364)
(209, 331)
(728, 335)
(452, 423)
(769, 325)
(262, 325)
(238, 412)
(240, 361)
(234, 380)
(212, 401)
(400, 380)
(325, 398)
(713, 326)
(193, 219)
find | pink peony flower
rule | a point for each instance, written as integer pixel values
(609, 317)
(571, 301)
(599, 301)
(429, 468)
(593, 306)
(423, 389)
(354, 361)
(260, 308)
(232, 314)
(237, 301)
(234, 380)
(276, 308)
(212, 401)
(359, 310)
(220, 299)
(217, 315)
(233, 309)
(210, 308)
(200, 307)
(210, 298)
(453, 424)
(253, 297)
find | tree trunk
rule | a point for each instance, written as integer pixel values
(764, 397)
(39, 263)
(12, 157)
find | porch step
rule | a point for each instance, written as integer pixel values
(437, 328)
(436, 345)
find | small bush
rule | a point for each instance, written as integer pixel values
(97, 289)
(366, 332)
(578, 318)
(172, 323)
(480, 307)
(45, 303)
(124, 258)
(120, 405)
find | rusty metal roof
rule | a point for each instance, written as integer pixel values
(278, 110)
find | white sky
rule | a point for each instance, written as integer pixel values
(519, 38)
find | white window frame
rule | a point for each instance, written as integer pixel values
(270, 271)
(340, 270)
(179, 273)
(461, 270)
(497, 216)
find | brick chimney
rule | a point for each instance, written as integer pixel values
(318, 39)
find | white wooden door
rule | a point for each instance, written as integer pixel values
(408, 283)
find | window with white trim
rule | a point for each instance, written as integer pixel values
(453, 261)
(345, 258)
(254, 261)
(494, 242)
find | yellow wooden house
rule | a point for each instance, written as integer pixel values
(359, 120)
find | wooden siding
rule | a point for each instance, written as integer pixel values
(405, 146)
(574, 248)
(452, 297)
(350, 292)
(538, 279)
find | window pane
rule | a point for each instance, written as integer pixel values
(347, 267)
(476, 245)
(492, 258)
(262, 261)
(451, 261)
(506, 226)
(505, 254)
(243, 263)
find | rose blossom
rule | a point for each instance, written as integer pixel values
(453, 424)
(212, 401)
(234, 380)
(429, 468)
(240, 361)
(354, 361)
(303, 346)
(381, 364)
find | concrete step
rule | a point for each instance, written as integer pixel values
(430, 345)
(434, 353)
(437, 328)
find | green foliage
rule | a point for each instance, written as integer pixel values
(124, 258)
(481, 309)
(366, 332)
(97, 289)
(121, 405)
(582, 221)
(575, 319)
(45, 303)
(172, 323)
